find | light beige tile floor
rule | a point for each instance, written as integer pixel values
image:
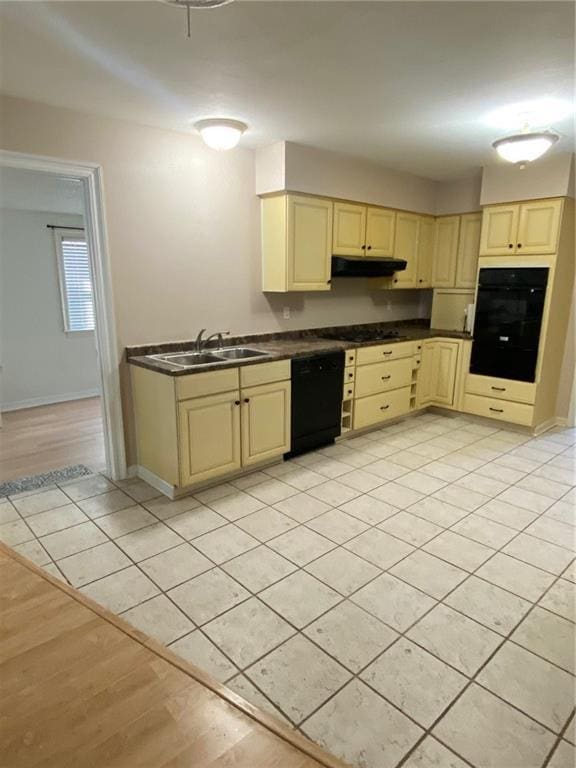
(405, 597)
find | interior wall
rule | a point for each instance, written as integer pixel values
(40, 362)
(547, 177)
(460, 196)
(299, 168)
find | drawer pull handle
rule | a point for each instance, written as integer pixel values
(384, 407)
(498, 389)
(385, 378)
(387, 353)
(497, 410)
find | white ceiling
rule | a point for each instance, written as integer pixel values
(406, 84)
(22, 190)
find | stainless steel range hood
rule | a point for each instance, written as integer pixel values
(346, 266)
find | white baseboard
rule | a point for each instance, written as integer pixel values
(18, 405)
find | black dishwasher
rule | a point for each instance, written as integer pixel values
(317, 384)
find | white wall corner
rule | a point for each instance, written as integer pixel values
(271, 168)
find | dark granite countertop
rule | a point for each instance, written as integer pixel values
(287, 345)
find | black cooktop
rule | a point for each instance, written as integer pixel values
(369, 334)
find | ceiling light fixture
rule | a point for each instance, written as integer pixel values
(523, 148)
(196, 5)
(220, 133)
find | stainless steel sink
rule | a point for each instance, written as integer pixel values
(239, 353)
(192, 359)
(188, 359)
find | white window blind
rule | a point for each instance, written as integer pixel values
(75, 281)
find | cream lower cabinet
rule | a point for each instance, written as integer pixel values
(197, 428)
(437, 375)
(209, 437)
(265, 422)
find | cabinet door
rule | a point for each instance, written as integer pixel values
(265, 422)
(380, 230)
(499, 229)
(468, 250)
(445, 367)
(425, 252)
(437, 373)
(539, 227)
(209, 437)
(426, 374)
(309, 243)
(349, 230)
(406, 248)
(445, 251)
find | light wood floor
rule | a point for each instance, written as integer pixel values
(48, 437)
(80, 687)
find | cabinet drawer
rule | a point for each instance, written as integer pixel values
(377, 408)
(349, 374)
(350, 357)
(505, 389)
(380, 377)
(209, 383)
(503, 410)
(264, 373)
(348, 391)
(382, 352)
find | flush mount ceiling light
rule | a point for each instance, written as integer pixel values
(220, 133)
(525, 147)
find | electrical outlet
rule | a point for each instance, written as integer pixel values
(286, 313)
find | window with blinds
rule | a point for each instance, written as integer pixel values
(75, 280)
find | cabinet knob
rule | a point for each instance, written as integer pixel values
(363, 247)
(236, 402)
(420, 281)
(510, 245)
(519, 245)
(350, 375)
(349, 391)
(369, 247)
(328, 281)
(395, 279)
(246, 399)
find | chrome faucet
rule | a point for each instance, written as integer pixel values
(201, 343)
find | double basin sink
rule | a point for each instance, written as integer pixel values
(192, 359)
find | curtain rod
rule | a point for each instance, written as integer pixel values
(62, 226)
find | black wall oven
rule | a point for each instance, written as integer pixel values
(509, 308)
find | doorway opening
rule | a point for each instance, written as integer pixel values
(59, 377)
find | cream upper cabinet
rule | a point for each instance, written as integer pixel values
(380, 232)
(265, 422)
(437, 374)
(499, 228)
(468, 250)
(539, 227)
(445, 251)
(209, 437)
(407, 225)
(530, 228)
(296, 243)
(426, 234)
(349, 238)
